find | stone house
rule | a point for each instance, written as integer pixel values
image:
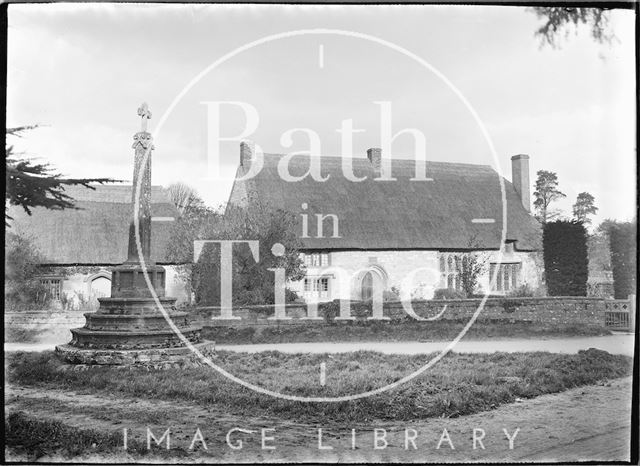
(81, 245)
(404, 237)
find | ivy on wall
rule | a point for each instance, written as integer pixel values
(69, 270)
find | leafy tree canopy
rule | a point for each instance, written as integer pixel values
(22, 267)
(546, 192)
(584, 206)
(622, 240)
(253, 282)
(559, 21)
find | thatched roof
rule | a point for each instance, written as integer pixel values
(398, 214)
(97, 233)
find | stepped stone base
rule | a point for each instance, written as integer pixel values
(157, 358)
(133, 324)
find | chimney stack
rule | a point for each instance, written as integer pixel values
(246, 153)
(375, 157)
(520, 179)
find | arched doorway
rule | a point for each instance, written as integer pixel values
(99, 284)
(101, 287)
(366, 289)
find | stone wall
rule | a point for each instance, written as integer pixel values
(42, 326)
(559, 310)
(43, 318)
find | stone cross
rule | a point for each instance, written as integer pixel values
(145, 114)
(143, 146)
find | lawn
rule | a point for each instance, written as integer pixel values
(441, 330)
(460, 384)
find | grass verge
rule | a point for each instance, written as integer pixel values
(459, 384)
(37, 438)
(21, 335)
(442, 330)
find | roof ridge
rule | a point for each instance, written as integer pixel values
(331, 156)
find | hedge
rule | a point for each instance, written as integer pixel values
(622, 237)
(566, 261)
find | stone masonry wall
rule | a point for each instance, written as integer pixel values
(559, 310)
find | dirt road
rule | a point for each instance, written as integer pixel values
(614, 344)
(589, 423)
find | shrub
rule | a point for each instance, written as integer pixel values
(23, 289)
(329, 310)
(526, 291)
(253, 281)
(622, 237)
(391, 295)
(361, 310)
(472, 266)
(446, 293)
(566, 262)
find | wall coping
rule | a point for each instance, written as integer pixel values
(495, 299)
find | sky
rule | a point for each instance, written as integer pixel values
(82, 70)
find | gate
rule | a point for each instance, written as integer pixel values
(619, 314)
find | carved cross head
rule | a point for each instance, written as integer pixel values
(145, 114)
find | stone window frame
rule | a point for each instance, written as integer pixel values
(316, 259)
(509, 273)
(450, 266)
(53, 284)
(320, 285)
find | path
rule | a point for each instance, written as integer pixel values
(615, 344)
(588, 423)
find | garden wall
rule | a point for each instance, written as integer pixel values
(558, 310)
(42, 326)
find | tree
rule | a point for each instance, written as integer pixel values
(253, 282)
(584, 206)
(559, 19)
(190, 226)
(566, 261)
(184, 197)
(546, 192)
(23, 289)
(471, 268)
(599, 249)
(31, 185)
(600, 260)
(622, 237)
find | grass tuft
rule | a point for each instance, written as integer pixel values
(38, 438)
